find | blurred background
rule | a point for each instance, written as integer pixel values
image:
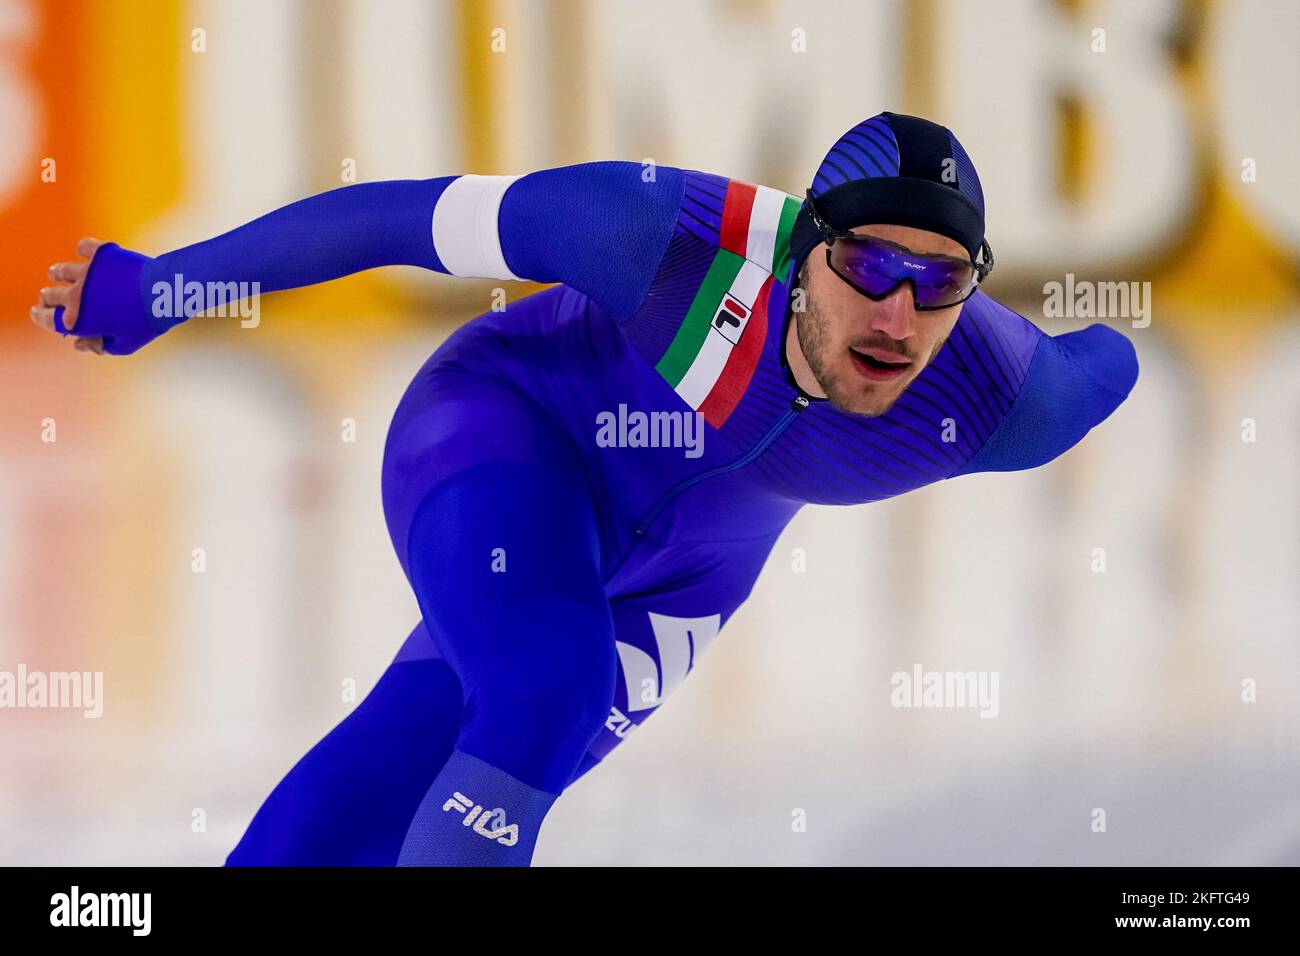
(1140, 141)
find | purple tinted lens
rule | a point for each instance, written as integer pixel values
(876, 268)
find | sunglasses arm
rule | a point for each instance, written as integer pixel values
(984, 261)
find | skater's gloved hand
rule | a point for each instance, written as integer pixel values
(99, 302)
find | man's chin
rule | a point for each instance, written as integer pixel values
(869, 404)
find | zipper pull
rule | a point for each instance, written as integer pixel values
(800, 403)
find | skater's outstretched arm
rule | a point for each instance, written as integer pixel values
(1072, 382)
(601, 228)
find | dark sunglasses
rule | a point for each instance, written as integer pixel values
(876, 267)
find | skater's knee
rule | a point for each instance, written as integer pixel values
(574, 703)
(566, 694)
(539, 726)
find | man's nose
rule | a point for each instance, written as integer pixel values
(895, 314)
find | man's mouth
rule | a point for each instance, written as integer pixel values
(879, 365)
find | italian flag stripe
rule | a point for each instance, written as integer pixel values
(716, 348)
(785, 226)
(733, 381)
(763, 226)
(691, 334)
(715, 351)
(736, 208)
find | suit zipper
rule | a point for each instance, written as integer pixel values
(771, 435)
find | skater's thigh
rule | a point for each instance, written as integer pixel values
(505, 561)
(451, 420)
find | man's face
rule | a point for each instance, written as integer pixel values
(844, 336)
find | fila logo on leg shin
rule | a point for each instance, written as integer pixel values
(480, 821)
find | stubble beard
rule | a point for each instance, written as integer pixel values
(813, 330)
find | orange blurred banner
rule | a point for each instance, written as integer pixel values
(90, 120)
